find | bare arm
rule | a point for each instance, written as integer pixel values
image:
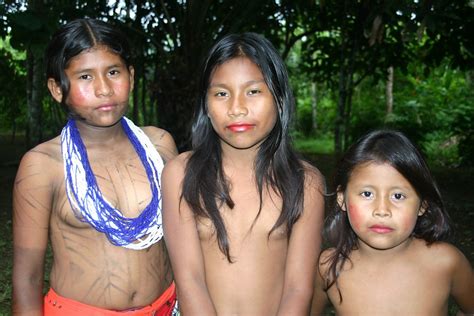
(462, 288)
(32, 200)
(320, 298)
(303, 250)
(183, 244)
(163, 142)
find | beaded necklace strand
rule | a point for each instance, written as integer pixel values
(90, 205)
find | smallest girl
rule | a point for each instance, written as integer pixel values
(386, 233)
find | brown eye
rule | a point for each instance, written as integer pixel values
(254, 91)
(220, 94)
(398, 196)
(366, 194)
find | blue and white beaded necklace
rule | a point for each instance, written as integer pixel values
(91, 206)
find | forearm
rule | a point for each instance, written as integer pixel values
(295, 302)
(27, 298)
(195, 301)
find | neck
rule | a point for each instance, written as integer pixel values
(384, 254)
(239, 158)
(98, 135)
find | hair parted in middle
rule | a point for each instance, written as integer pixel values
(76, 37)
(277, 165)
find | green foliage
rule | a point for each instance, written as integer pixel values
(441, 151)
(12, 88)
(435, 109)
(319, 144)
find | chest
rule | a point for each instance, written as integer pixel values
(251, 218)
(422, 288)
(123, 183)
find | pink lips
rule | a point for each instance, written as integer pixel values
(381, 229)
(240, 127)
(106, 107)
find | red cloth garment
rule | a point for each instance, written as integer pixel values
(56, 305)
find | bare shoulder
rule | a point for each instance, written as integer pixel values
(49, 150)
(45, 156)
(41, 172)
(445, 255)
(176, 166)
(450, 262)
(162, 140)
(313, 177)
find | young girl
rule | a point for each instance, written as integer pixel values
(386, 232)
(94, 190)
(242, 214)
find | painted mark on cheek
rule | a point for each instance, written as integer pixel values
(354, 216)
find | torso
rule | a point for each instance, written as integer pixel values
(87, 267)
(253, 283)
(417, 282)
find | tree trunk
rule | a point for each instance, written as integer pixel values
(34, 85)
(314, 107)
(147, 118)
(341, 105)
(389, 92)
(34, 98)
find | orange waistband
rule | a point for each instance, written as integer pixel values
(56, 305)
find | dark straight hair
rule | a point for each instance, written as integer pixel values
(205, 187)
(75, 37)
(394, 148)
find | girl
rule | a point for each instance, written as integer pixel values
(386, 232)
(242, 213)
(95, 190)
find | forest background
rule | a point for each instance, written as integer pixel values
(355, 65)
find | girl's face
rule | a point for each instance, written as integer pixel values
(240, 105)
(382, 206)
(100, 84)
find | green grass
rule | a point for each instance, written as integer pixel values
(315, 145)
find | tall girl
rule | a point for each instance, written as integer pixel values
(242, 214)
(94, 190)
(386, 233)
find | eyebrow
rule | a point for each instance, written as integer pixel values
(248, 83)
(119, 65)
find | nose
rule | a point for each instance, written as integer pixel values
(102, 86)
(237, 106)
(382, 208)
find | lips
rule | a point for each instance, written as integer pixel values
(381, 229)
(106, 107)
(240, 127)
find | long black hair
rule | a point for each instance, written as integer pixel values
(394, 148)
(277, 166)
(75, 37)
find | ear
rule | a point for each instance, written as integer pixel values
(423, 207)
(131, 72)
(55, 90)
(340, 200)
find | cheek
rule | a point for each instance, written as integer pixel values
(355, 217)
(409, 222)
(79, 96)
(123, 87)
(214, 116)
